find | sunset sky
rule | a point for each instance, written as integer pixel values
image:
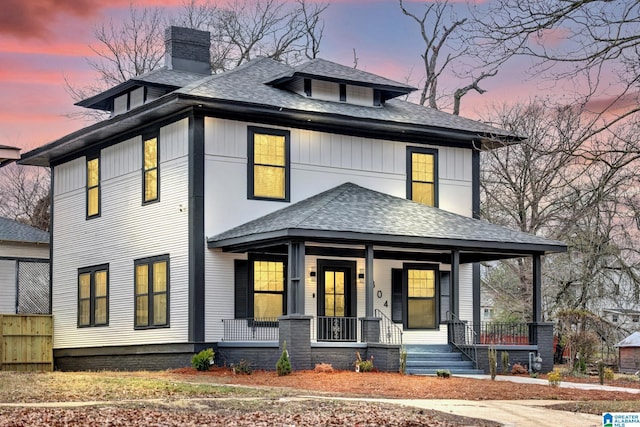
(42, 42)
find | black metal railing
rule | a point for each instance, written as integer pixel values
(390, 333)
(254, 329)
(337, 328)
(504, 333)
(463, 337)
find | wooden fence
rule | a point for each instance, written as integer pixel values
(26, 342)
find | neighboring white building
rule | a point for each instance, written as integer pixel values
(265, 204)
(24, 269)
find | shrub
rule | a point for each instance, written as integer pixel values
(283, 366)
(493, 362)
(554, 378)
(518, 369)
(533, 375)
(443, 373)
(202, 361)
(403, 360)
(363, 365)
(242, 367)
(324, 368)
(505, 362)
(608, 374)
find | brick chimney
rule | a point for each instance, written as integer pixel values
(187, 49)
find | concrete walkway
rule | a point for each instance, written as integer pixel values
(564, 384)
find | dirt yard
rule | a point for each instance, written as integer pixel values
(186, 397)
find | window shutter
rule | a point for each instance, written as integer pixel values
(396, 295)
(241, 288)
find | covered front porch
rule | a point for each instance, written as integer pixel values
(365, 271)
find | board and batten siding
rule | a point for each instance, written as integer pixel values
(125, 231)
(319, 162)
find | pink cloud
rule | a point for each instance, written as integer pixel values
(552, 37)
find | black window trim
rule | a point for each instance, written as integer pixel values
(405, 293)
(265, 257)
(343, 92)
(92, 296)
(89, 158)
(149, 261)
(423, 150)
(253, 130)
(307, 87)
(145, 138)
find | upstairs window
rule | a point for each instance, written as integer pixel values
(150, 170)
(93, 187)
(422, 175)
(268, 165)
(93, 296)
(152, 292)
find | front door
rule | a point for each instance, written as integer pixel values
(337, 319)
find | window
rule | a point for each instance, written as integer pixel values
(422, 173)
(421, 298)
(343, 92)
(635, 318)
(93, 187)
(152, 292)
(268, 174)
(93, 296)
(268, 289)
(307, 87)
(150, 170)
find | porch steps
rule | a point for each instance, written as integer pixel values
(427, 359)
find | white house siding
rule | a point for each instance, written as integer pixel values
(24, 250)
(319, 161)
(359, 95)
(125, 231)
(7, 286)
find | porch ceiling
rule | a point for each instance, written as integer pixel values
(350, 214)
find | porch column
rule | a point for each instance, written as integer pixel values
(368, 274)
(537, 289)
(455, 282)
(295, 278)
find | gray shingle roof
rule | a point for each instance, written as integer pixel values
(248, 84)
(355, 210)
(14, 231)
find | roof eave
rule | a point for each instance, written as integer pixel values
(389, 240)
(174, 102)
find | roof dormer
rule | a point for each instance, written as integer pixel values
(328, 81)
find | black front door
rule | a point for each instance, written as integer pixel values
(337, 300)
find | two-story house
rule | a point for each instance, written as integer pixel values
(270, 203)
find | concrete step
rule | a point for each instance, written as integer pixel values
(432, 371)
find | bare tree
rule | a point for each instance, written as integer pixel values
(446, 44)
(574, 181)
(24, 195)
(240, 31)
(595, 43)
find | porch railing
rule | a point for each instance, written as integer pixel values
(253, 329)
(463, 337)
(331, 328)
(504, 333)
(390, 333)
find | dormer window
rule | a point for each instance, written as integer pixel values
(307, 87)
(343, 92)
